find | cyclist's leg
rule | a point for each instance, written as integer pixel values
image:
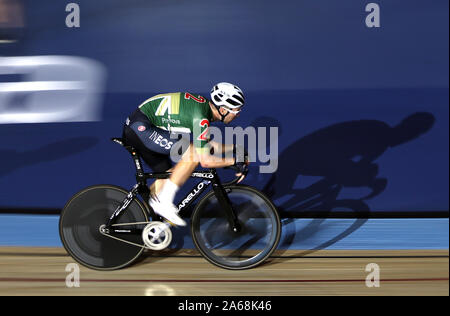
(165, 190)
(184, 168)
(156, 186)
(180, 173)
(154, 145)
(158, 162)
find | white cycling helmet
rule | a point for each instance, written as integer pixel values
(228, 95)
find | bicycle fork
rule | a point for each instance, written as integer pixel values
(225, 203)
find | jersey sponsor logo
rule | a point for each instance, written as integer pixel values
(141, 128)
(160, 140)
(170, 104)
(170, 121)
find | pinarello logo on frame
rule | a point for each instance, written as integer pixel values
(141, 128)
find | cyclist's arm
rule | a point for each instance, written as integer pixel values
(219, 148)
(203, 146)
(210, 161)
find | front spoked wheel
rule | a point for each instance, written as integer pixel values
(83, 218)
(258, 235)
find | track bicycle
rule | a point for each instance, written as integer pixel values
(105, 227)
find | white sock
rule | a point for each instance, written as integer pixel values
(168, 192)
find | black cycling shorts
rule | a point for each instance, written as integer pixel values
(152, 143)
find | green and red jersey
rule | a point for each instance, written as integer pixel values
(180, 112)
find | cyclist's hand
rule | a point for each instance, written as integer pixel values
(241, 166)
(240, 153)
(242, 170)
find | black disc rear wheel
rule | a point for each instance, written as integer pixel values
(80, 224)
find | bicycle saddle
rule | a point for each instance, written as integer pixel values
(122, 143)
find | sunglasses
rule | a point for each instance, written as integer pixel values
(231, 111)
(228, 110)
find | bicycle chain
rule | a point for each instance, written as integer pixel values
(123, 240)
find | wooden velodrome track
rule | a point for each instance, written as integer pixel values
(42, 271)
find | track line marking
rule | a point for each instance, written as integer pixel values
(215, 280)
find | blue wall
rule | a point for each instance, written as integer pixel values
(337, 90)
(165, 45)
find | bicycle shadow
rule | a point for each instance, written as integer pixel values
(14, 159)
(341, 155)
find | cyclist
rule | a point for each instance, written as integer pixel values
(161, 120)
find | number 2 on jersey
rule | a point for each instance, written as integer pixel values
(202, 137)
(199, 99)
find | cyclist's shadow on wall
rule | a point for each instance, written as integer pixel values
(14, 159)
(341, 155)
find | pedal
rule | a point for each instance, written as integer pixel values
(157, 236)
(169, 223)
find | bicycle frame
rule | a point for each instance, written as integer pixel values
(142, 189)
